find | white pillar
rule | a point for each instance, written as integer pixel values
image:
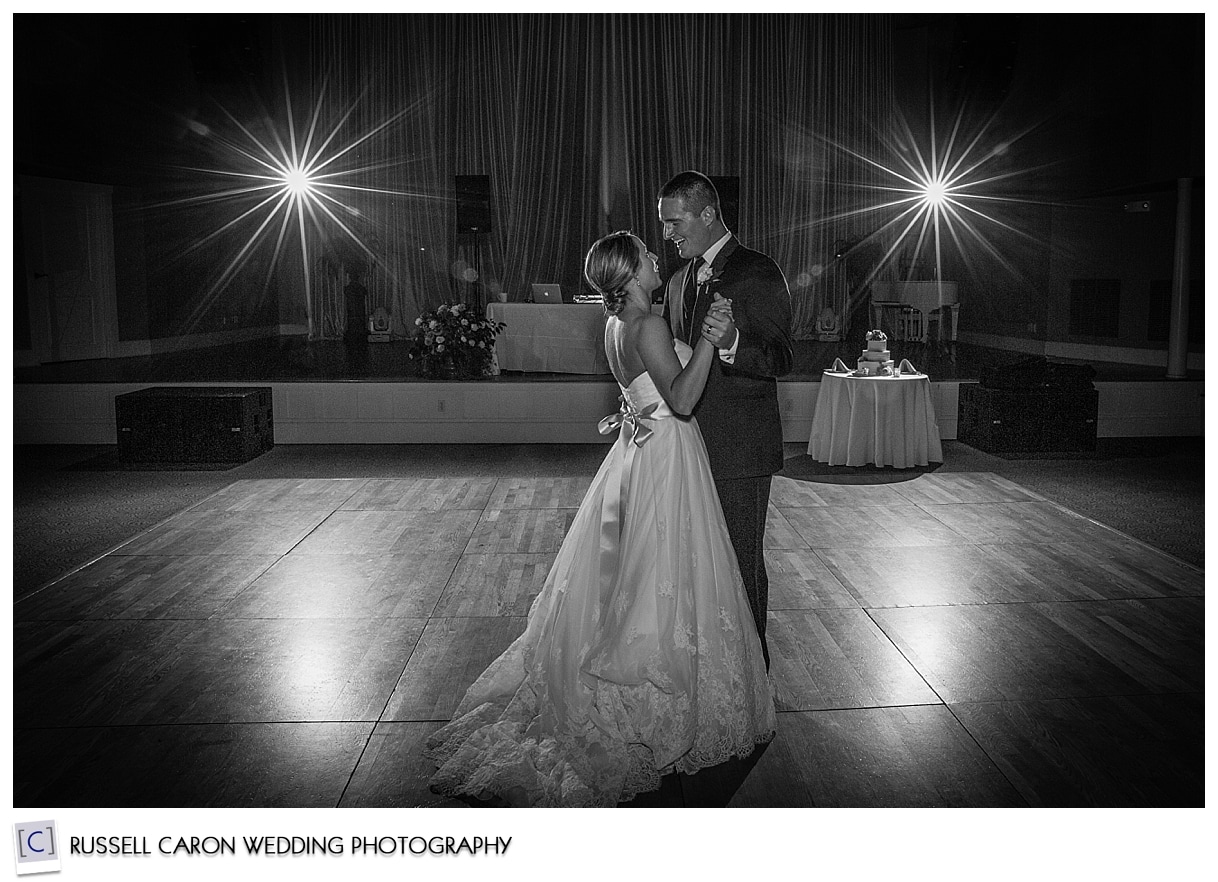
(1181, 284)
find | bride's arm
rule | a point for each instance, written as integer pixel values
(681, 388)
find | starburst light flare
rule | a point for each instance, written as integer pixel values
(301, 185)
(298, 182)
(936, 195)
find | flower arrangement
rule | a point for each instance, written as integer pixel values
(453, 339)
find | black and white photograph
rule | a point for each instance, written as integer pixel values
(661, 410)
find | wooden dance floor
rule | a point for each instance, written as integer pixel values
(947, 640)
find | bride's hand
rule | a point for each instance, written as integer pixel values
(721, 306)
(719, 328)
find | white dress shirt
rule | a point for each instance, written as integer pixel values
(728, 355)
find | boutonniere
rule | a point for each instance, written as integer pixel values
(705, 274)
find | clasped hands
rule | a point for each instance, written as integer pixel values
(718, 327)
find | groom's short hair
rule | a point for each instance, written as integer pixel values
(695, 191)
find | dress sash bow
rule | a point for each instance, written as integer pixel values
(627, 419)
(631, 419)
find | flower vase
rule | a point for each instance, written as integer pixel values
(438, 367)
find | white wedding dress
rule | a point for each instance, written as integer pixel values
(640, 656)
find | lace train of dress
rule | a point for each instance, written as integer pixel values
(640, 656)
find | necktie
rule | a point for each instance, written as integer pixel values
(691, 297)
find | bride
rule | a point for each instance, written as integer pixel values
(640, 656)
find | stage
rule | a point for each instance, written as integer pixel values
(325, 394)
(293, 359)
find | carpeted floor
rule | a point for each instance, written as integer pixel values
(74, 503)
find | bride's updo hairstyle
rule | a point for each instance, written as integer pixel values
(610, 265)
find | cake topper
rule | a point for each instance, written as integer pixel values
(877, 334)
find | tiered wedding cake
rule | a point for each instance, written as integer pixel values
(876, 360)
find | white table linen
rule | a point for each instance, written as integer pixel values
(557, 338)
(889, 421)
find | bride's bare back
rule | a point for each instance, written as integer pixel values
(621, 349)
(638, 341)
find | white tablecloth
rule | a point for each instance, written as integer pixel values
(560, 338)
(889, 421)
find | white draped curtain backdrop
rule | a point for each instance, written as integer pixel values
(578, 120)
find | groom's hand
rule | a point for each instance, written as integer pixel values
(718, 327)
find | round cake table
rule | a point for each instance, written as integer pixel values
(888, 421)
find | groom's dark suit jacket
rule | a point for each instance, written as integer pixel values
(738, 413)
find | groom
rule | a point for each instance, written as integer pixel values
(738, 412)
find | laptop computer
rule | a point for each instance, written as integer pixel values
(547, 293)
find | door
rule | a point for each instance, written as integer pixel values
(69, 262)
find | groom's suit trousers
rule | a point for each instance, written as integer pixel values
(744, 502)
